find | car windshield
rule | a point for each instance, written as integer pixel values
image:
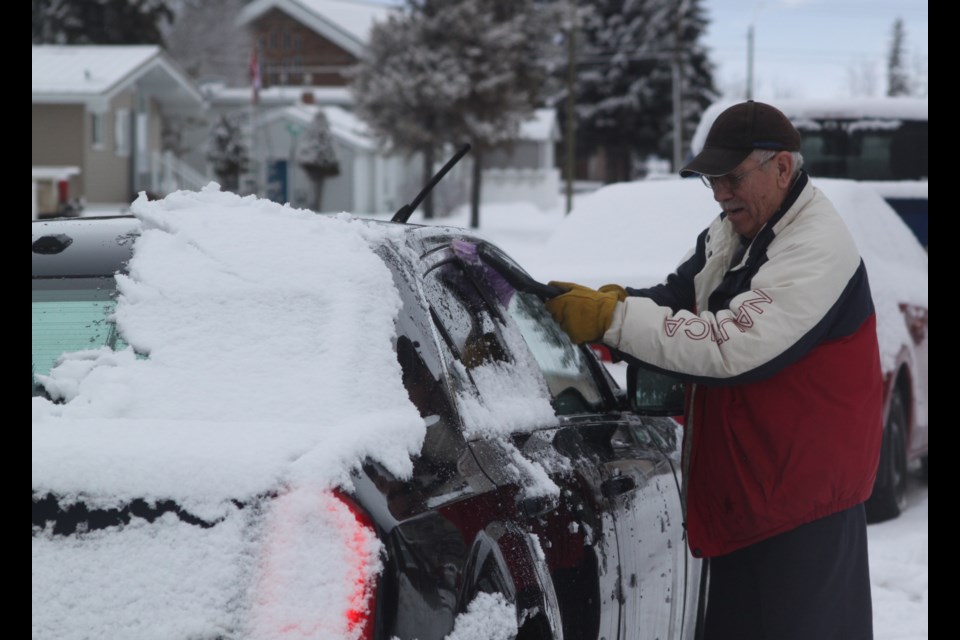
(70, 314)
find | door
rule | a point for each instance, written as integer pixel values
(276, 189)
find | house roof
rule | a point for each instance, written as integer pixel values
(68, 74)
(346, 23)
(344, 126)
(541, 127)
(218, 94)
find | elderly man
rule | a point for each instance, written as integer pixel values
(771, 323)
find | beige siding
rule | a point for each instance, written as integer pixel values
(108, 175)
(58, 140)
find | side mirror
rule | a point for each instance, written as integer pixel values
(653, 394)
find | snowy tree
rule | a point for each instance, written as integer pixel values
(208, 46)
(315, 153)
(452, 71)
(100, 21)
(624, 92)
(898, 82)
(227, 150)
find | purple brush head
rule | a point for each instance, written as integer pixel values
(468, 253)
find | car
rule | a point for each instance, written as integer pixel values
(542, 498)
(635, 233)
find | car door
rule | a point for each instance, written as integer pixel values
(614, 541)
(650, 532)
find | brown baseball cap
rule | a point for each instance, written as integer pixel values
(738, 131)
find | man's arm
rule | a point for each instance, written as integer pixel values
(813, 286)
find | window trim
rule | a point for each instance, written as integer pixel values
(98, 122)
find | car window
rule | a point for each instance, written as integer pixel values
(474, 315)
(563, 364)
(70, 314)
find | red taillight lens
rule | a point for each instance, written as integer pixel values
(360, 615)
(319, 569)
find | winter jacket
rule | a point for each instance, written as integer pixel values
(783, 418)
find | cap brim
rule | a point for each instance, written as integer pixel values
(715, 162)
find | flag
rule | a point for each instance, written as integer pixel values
(255, 74)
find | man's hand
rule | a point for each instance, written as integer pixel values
(585, 314)
(615, 288)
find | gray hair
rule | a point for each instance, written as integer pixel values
(762, 155)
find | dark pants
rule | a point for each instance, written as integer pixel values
(811, 583)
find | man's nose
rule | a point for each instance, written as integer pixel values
(722, 192)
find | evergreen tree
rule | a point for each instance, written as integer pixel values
(448, 71)
(100, 21)
(227, 150)
(898, 83)
(315, 153)
(624, 92)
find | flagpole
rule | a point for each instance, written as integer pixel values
(255, 83)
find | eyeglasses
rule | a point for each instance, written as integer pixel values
(731, 182)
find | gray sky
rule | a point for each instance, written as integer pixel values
(813, 48)
(810, 48)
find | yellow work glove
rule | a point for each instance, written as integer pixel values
(585, 314)
(615, 288)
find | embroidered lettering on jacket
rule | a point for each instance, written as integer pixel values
(697, 328)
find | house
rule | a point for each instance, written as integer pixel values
(101, 111)
(304, 50)
(368, 182)
(310, 42)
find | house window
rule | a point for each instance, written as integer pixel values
(121, 132)
(96, 129)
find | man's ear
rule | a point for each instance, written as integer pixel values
(784, 164)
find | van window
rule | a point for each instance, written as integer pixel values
(870, 149)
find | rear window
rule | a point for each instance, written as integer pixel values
(70, 314)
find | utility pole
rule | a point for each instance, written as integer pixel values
(750, 62)
(678, 87)
(570, 162)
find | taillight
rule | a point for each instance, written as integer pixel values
(319, 569)
(360, 614)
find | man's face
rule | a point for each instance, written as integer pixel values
(752, 193)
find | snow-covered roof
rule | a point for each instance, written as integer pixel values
(77, 73)
(344, 22)
(218, 94)
(541, 127)
(344, 126)
(905, 108)
(349, 128)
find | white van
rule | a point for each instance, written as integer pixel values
(879, 141)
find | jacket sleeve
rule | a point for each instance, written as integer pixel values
(812, 282)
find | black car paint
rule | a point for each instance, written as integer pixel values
(604, 559)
